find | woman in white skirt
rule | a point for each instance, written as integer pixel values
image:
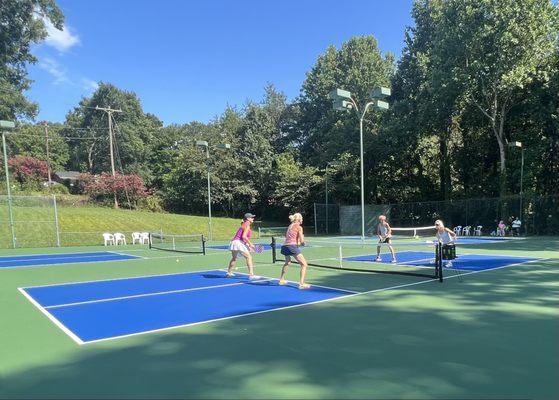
(241, 245)
(445, 236)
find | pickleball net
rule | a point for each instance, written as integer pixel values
(420, 233)
(179, 243)
(419, 260)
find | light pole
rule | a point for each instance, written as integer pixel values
(204, 144)
(519, 145)
(330, 164)
(342, 100)
(7, 125)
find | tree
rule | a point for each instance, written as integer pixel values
(322, 134)
(491, 49)
(293, 183)
(134, 131)
(30, 140)
(21, 25)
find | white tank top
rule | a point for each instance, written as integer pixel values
(382, 229)
(444, 237)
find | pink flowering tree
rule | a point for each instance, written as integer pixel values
(28, 170)
(102, 188)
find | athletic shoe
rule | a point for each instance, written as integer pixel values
(304, 286)
(282, 282)
(378, 259)
(393, 261)
(448, 264)
(230, 274)
(254, 277)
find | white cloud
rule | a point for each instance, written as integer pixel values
(61, 40)
(89, 85)
(60, 75)
(52, 67)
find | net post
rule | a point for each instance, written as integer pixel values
(273, 246)
(149, 240)
(203, 245)
(439, 268)
(340, 256)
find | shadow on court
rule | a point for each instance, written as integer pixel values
(491, 335)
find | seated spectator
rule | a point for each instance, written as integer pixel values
(516, 224)
(501, 228)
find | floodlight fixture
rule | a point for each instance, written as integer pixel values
(7, 125)
(515, 144)
(342, 105)
(380, 105)
(380, 92)
(201, 143)
(337, 94)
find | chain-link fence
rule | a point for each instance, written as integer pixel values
(28, 221)
(48, 221)
(539, 214)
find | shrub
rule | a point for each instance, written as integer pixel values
(29, 172)
(57, 189)
(152, 203)
(129, 189)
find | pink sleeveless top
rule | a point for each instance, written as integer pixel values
(292, 234)
(239, 233)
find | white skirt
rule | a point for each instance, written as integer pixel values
(238, 245)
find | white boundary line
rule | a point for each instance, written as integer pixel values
(52, 317)
(218, 319)
(132, 258)
(120, 279)
(145, 295)
(62, 254)
(80, 342)
(268, 278)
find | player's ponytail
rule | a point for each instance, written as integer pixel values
(295, 217)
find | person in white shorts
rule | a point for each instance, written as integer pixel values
(241, 245)
(384, 233)
(445, 236)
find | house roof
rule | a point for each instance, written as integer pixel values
(71, 175)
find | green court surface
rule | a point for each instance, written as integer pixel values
(490, 334)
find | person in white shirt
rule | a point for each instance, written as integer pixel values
(445, 236)
(516, 224)
(384, 233)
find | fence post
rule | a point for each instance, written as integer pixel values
(8, 191)
(315, 226)
(57, 228)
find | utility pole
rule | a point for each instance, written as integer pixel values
(110, 112)
(47, 146)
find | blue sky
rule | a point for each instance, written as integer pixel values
(188, 60)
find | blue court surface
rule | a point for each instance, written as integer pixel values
(102, 310)
(460, 240)
(468, 262)
(63, 258)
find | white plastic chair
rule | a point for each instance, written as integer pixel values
(466, 230)
(108, 238)
(458, 230)
(145, 237)
(120, 238)
(477, 232)
(137, 236)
